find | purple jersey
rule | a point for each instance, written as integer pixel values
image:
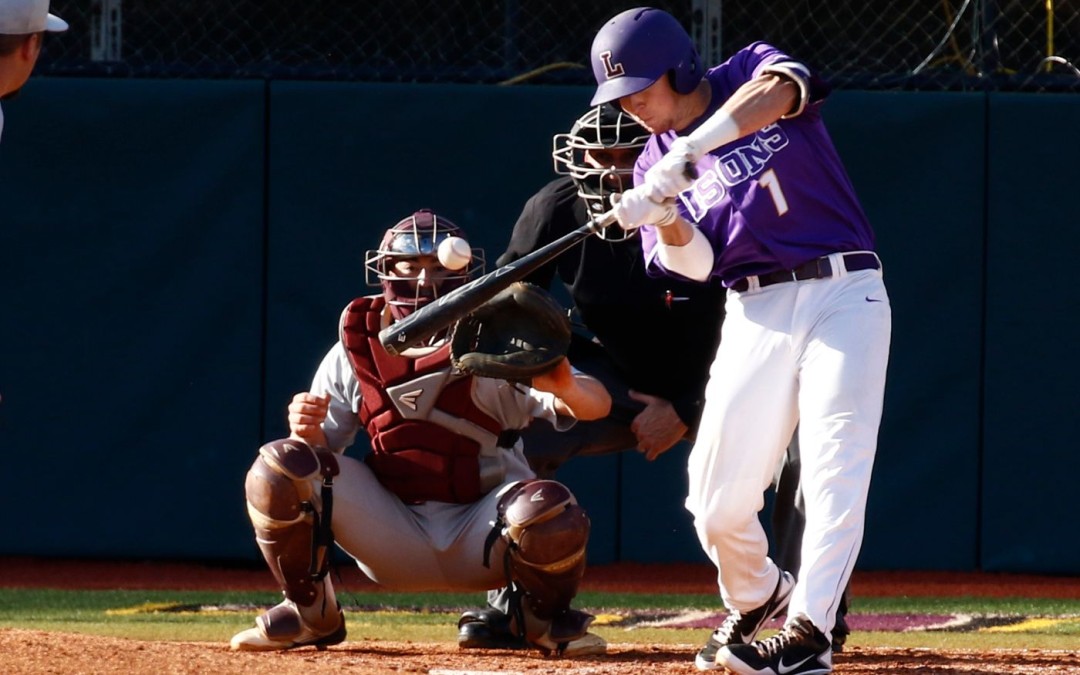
(770, 201)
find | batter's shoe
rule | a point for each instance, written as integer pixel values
(743, 627)
(488, 629)
(798, 649)
(281, 627)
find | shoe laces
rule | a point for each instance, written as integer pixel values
(729, 628)
(788, 635)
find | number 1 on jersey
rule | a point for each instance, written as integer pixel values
(769, 181)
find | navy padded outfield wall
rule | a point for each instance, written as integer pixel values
(174, 256)
(131, 293)
(1031, 426)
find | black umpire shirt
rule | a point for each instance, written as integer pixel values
(660, 332)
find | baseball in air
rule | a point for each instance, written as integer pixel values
(454, 253)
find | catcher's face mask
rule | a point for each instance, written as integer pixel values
(406, 265)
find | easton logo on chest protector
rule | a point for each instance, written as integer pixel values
(415, 398)
(408, 399)
(414, 411)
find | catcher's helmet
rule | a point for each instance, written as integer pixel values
(413, 238)
(578, 154)
(636, 48)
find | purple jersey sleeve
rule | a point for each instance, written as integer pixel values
(769, 201)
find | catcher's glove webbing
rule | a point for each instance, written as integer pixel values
(517, 335)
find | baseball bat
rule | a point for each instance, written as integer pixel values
(434, 317)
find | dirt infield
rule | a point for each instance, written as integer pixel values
(38, 652)
(41, 653)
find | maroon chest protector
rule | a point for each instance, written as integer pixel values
(413, 457)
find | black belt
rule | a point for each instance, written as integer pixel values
(821, 268)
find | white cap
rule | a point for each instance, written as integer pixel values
(21, 17)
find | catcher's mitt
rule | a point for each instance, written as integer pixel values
(517, 335)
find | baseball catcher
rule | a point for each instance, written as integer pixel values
(445, 462)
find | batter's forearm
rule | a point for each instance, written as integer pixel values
(685, 251)
(678, 233)
(761, 101)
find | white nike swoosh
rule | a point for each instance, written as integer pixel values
(784, 668)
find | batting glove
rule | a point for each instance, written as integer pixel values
(633, 208)
(674, 172)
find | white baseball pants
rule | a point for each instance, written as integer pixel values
(430, 546)
(812, 353)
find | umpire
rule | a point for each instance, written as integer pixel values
(656, 402)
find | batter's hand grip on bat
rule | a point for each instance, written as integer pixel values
(604, 220)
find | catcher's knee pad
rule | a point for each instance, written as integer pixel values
(546, 533)
(292, 517)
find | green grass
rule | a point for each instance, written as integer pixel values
(431, 617)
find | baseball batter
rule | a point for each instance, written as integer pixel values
(445, 464)
(741, 181)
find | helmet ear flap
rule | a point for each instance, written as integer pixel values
(686, 75)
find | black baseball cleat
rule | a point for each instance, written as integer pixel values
(798, 649)
(743, 627)
(488, 629)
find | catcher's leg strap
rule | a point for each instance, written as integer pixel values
(546, 533)
(290, 501)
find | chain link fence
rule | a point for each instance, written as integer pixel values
(882, 44)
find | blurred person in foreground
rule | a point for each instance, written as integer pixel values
(23, 24)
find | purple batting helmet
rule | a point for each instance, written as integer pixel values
(636, 48)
